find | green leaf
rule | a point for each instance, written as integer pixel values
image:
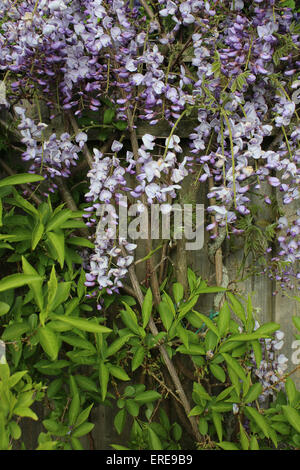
(224, 319)
(208, 322)
(36, 286)
(259, 420)
(235, 366)
(243, 438)
(253, 443)
(246, 384)
(227, 445)
(224, 393)
(116, 345)
(192, 280)
(130, 320)
(118, 372)
(292, 416)
(77, 341)
(4, 245)
(83, 416)
(80, 241)
(15, 430)
(132, 407)
(296, 321)
(37, 234)
(176, 432)
(256, 346)
(282, 428)
(74, 409)
(85, 383)
(52, 288)
(119, 421)
(25, 412)
(217, 420)
(83, 429)
(15, 331)
(118, 447)
(71, 305)
(4, 308)
(54, 387)
(218, 372)
(203, 426)
(73, 224)
(21, 178)
(166, 314)
(178, 292)
(291, 391)
(253, 393)
(187, 307)
(58, 219)
(108, 116)
(200, 391)
(196, 410)
(62, 293)
(194, 320)
(147, 397)
(76, 444)
(1, 212)
(103, 379)
(17, 280)
(246, 337)
(154, 440)
(138, 358)
(24, 204)
(237, 307)
(183, 335)
(221, 407)
(193, 350)
(268, 328)
(147, 307)
(53, 426)
(15, 378)
(80, 284)
(210, 290)
(120, 125)
(57, 242)
(82, 324)
(49, 342)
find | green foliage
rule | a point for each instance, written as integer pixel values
(17, 394)
(61, 351)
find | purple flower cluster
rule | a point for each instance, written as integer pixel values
(52, 156)
(108, 184)
(272, 366)
(226, 71)
(289, 253)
